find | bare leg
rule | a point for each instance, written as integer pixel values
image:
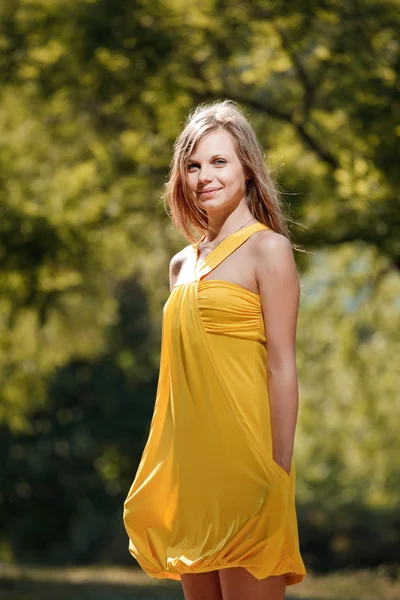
(238, 584)
(201, 586)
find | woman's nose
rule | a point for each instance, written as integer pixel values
(205, 176)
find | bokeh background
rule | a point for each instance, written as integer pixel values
(93, 94)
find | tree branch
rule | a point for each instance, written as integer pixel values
(312, 142)
(308, 86)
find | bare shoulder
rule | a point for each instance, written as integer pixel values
(176, 264)
(179, 258)
(272, 249)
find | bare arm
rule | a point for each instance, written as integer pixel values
(278, 282)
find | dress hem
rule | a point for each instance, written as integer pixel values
(292, 577)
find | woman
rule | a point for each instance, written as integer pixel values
(213, 500)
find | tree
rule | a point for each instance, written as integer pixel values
(94, 93)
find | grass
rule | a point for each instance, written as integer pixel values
(112, 583)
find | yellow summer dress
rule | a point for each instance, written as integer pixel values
(207, 493)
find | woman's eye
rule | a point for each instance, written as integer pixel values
(219, 161)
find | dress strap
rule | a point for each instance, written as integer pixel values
(224, 249)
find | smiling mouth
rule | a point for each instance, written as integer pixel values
(208, 192)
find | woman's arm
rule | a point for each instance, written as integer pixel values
(278, 283)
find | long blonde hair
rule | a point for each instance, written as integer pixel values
(263, 197)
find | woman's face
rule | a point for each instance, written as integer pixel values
(215, 173)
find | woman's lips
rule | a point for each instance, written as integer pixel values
(208, 193)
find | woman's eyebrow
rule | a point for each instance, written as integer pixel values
(212, 158)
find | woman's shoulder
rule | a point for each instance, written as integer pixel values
(271, 249)
(177, 261)
(179, 258)
(268, 241)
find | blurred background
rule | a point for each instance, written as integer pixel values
(93, 94)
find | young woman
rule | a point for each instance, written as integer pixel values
(213, 500)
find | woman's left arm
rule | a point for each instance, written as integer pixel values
(279, 287)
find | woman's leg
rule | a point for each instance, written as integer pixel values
(201, 586)
(238, 584)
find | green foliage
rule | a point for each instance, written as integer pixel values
(93, 94)
(69, 473)
(347, 357)
(347, 536)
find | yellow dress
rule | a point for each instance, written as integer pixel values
(207, 493)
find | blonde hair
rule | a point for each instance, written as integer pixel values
(264, 200)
